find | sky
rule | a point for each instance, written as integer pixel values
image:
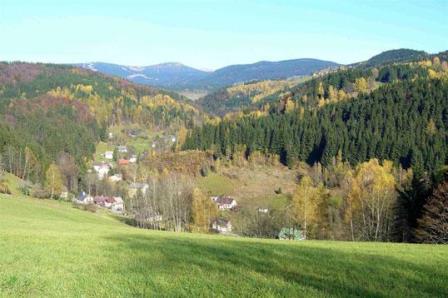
(209, 34)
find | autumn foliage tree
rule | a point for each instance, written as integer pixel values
(371, 200)
(203, 211)
(305, 204)
(53, 181)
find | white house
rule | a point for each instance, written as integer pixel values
(133, 159)
(224, 203)
(102, 170)
(118, 205)
(109, 155)
(122, 149)
(222, 225)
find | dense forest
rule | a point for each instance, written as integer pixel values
(383, 124)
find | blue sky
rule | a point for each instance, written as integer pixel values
(210, 34)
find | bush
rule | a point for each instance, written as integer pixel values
(4, 189)
(40, 193)
(204, 171)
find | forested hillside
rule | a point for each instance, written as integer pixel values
(324, 87)
(405, 122)
(396, 112)
(247, 96)
(47, 111)
(398, 55)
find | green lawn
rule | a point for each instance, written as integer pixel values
(215, 184)
(101, 148)
(48, 248)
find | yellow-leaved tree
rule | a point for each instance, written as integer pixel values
(203, 211)
(361, 85)
(370, 201)
(53, 180)
(306, 204)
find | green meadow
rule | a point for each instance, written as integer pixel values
(50, 249)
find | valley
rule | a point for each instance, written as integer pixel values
(305, 175)
(197, 148)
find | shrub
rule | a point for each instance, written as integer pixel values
(204, 171)
(39, 192)
(4, 189)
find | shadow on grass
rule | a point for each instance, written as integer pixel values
(253, 268)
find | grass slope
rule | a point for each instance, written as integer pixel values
(47, 248)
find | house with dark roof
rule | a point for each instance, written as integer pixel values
(224, 202)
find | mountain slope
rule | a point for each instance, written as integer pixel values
(166, 75)
(50, 249)
(177, 76)
(327, 86)
(263, 70)
(46, 110)
(397, 113)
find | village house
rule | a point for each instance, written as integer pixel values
(222, 225)
(122, 149)
(224, 202)
(123, 162)
(133, 158)
(104, 201)
(109, 155)
(117, 205)
(100, 200)
(84, 199)
(102, 170)
(135, 187)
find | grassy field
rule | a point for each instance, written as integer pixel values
(48, 248)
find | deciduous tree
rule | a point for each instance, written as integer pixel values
(53, 180)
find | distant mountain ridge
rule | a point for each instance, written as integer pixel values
(167, 75)
(178, 76)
